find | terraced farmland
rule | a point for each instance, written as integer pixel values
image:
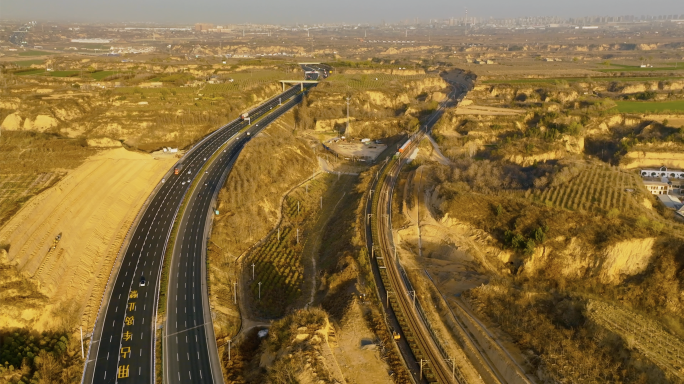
(278, 263)
(647, 335)
(597, 186)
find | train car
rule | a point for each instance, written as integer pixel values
(405, 146)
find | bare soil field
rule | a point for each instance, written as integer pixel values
(92, 208)
(356, 350)
(358, 149)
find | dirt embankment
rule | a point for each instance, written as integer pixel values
(378, 108)
(646, 159)
(144, 118)
(91, 208)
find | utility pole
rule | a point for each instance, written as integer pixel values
(235, 292)
(260, 290)
(82, 355)
(453, 368)
(279, 234)
(421, 368)
(252, 271)
(297, 235)
(346, 132)
(229, 341)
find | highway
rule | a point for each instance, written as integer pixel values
(122, 346)
(188, 335)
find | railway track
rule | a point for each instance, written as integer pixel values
(432, 363)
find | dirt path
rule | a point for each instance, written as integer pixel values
(486, 111)
(92, 207)
(451, 261)
(437, 152)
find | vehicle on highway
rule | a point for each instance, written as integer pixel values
(143, 282)
(183, 183)
(163, 180)
(248, 134)
(178, 169)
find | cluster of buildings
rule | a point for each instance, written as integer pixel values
(667, 185)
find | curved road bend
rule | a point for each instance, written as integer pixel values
(122, 347)
(190, 353)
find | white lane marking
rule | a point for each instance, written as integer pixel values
(177, 359)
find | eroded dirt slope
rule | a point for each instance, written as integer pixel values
(92, 207)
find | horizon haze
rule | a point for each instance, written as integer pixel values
(298, 11)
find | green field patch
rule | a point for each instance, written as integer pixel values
(634, 68)
(579, 79)
(99, 75)
(650, 106)
(35, 53)
(64, 73)
(28, 63)
(35, 71)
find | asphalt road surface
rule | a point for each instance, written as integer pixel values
(122, 349)
(189, 343)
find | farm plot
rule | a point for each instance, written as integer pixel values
(647, 335)
(16, 189)
(676, 106)
(278, 263)
(597, 186)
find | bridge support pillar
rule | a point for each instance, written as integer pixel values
(301, 87)
(283, 83)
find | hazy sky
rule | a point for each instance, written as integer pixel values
(311, 11)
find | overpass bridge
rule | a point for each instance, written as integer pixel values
(300, 82)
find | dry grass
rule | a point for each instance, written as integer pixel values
(250, 200)
(561, 343)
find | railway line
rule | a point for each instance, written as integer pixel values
(431, 362)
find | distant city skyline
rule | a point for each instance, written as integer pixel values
(303, 12)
